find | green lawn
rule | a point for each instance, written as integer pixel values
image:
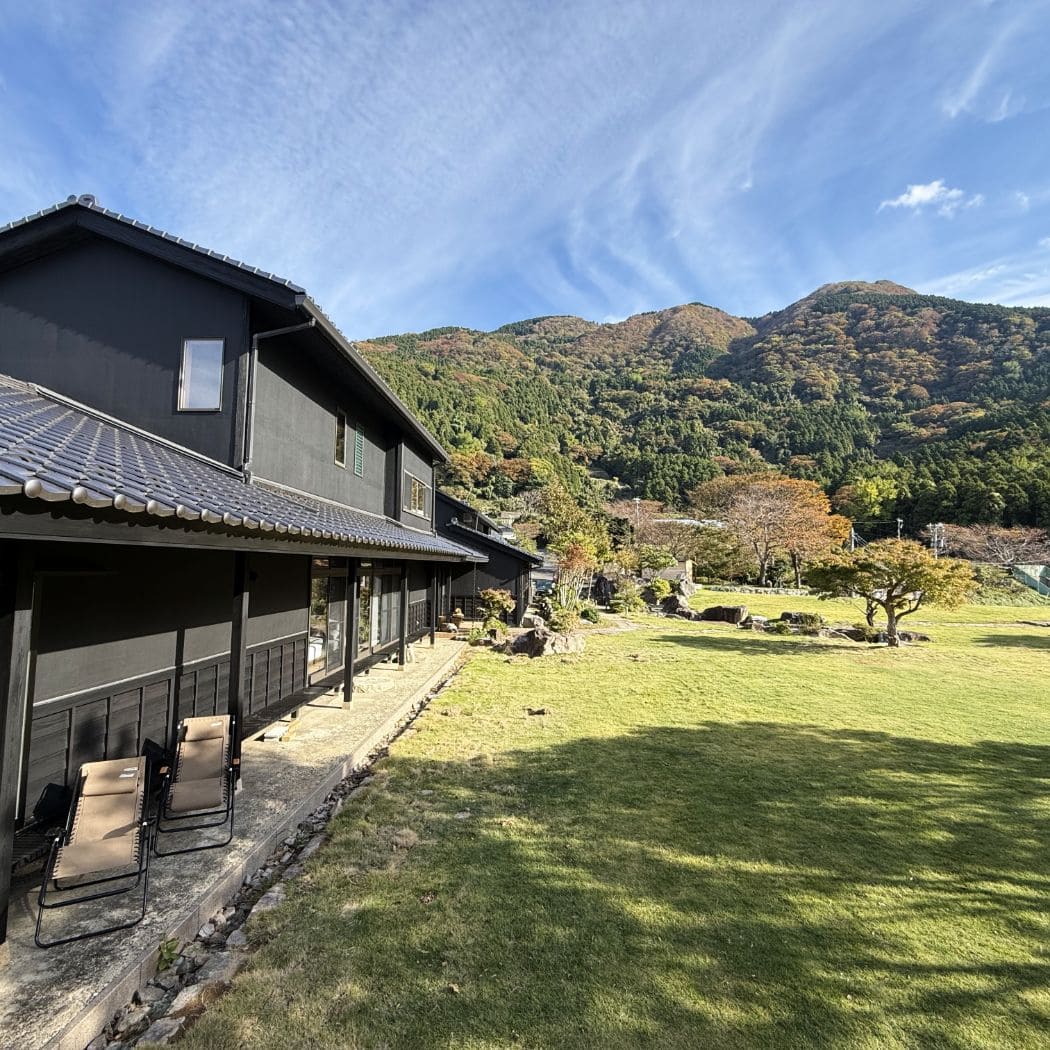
(712, 839)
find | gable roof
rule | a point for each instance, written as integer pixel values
(463, 505)
(54, 227)
(471, 537)
(54, 450)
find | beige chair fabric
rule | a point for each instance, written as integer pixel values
(108, 818)
(200, 765)
(206, 727)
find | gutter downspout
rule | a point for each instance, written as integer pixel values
(249, 397)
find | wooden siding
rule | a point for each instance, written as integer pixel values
(94, 725)
(113, 721)
(418, 618)
(275, 670)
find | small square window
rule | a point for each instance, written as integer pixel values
(200, 378)
(340, 438)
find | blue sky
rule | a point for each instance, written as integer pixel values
(474, 163)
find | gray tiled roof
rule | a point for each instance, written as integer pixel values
(469, 536)
(89, 202)
(55, 451)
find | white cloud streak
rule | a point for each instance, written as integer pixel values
(936, 195)
(413, 164)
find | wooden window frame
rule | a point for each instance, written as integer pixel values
(408, 494)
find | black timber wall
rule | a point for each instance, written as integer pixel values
(502, 570)
(104, 324)
(295, 423)
(420, 466)
(129, 640)
(418, 600)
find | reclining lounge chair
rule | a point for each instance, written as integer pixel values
(199, 791)
(106, 842)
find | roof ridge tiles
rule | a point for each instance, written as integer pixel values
(98, 209)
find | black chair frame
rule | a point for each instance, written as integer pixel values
(210, 818)
(140, 876)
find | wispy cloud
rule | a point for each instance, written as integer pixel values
(946, 200)
(464, 162)
(1016, 280)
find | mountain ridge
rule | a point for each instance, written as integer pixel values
(853, 381)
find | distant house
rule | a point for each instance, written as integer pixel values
(676, 573)
(208, 499)
(507, 566)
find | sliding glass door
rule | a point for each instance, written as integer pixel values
(379, 625)
(327, 617)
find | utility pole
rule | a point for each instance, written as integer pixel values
(637, 514)
(936, 538)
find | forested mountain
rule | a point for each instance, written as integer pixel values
(928, 408)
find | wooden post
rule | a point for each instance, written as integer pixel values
(239, 651)
(17, 593)
(433, 602)
(354, 621)
(402, 649)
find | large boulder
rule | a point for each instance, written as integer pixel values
(541, 641)
(725, 613)
(676, 605)
(687, 588)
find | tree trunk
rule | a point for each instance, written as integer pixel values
(763, 568)
(892, 637)
(869, 611)
(796, 564)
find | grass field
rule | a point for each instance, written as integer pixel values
(710, 839)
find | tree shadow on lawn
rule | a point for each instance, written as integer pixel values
(1018, 641)
(725, 885)
(756, 643)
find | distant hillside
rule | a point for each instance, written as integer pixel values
(945, 403)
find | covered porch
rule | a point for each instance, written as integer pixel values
(63, 997)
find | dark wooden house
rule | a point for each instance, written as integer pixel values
(500, 563)
(208, 499)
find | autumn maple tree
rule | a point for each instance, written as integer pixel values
(897, 576)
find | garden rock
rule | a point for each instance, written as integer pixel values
(133, 1022)
(163, 1031)
(676, 605)
(237, 939)
(542, 642)
(725, 613)
(270, 899)
(687, 588)
(532, 620)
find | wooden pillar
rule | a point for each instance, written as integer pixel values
(354, 621)
(433, 589)
(17, 593)
(402, 647)
(239, 651)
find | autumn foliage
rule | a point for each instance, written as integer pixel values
(774, 517)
